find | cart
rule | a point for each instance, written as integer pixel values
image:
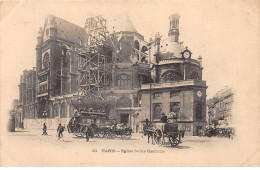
(163, 133)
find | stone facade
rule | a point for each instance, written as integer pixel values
(220, 107)
(132, 67)
(177, 84)
(27, 95)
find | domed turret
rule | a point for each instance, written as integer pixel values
(172, 48)
(174, 28)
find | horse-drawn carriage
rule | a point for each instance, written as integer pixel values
(97, 125)
(163, 133)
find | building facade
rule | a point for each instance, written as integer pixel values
(178, 86)
(220, 107)
(27, 95)
(75, 61)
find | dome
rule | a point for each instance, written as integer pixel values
(123, 23)
(171, 49)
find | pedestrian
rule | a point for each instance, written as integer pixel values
(44, 129)
(183, 133)
(87, 134)
(60, 129)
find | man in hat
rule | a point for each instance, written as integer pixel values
(44, 129)
(60, 129)
(164, 118)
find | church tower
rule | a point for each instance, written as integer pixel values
(174, 28)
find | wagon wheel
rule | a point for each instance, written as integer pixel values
(174, 141)
(158, 137)
(111, 135)
(83, 131)
(101, 134)
(128, 134)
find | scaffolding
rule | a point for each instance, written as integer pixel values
(94, 75)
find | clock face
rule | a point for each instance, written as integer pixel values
(186, 54)
(199, 93)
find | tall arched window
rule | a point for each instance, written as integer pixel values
(194, 75)
(63, 113)
(46, 60)
(56, 110)
(136, 45)
(199, 112)
(124, 81)
(144, 49)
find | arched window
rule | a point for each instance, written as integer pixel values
(64, 50)
(46, 60)
(63, 113)
(136, 45)
(56, 110)
(143, 60)
(170, 76)
(137, 57)
(144, 49)
(124, 81)
(199, 112)
(194, 75)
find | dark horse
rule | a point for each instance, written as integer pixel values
(149, 131)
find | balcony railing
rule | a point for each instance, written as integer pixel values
(173, 84)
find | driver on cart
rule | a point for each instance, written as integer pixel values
(164, 118)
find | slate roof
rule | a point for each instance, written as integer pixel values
(123, 23)
(69, 31)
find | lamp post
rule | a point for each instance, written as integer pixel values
(150, 102)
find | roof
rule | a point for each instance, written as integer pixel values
(123, 23)
(171, 49)
(69, 31)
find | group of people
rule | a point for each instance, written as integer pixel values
(60, 130)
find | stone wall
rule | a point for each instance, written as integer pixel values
(50, 123)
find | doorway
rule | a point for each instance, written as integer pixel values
(124, 118)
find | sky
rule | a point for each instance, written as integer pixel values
(224, 33)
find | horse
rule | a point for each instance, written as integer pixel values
(149, 131)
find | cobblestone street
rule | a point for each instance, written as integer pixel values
(70, 149)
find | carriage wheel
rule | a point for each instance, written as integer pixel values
(111, 135)
(158, 137)
(101, 134)
(83, 131)
(128, 134)
(174, 141)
